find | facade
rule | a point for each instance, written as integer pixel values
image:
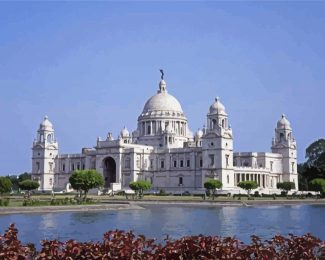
(165, 152)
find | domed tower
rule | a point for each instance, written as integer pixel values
(217, 146)
(162, 122)
(45, 150)
(125, 136)
(285, 144)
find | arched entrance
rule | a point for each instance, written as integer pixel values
(109, 171)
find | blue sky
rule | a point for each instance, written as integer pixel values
(91, 66)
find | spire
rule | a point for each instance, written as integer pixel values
(162, 83)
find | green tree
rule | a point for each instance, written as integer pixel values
(286, 186)
(314, 167)
(314, 151)
(84, 180)
(212, 185)
(5, 185)
(24, 176)
(139, 187)
(318, 185)
(248, 186)
(28, 185)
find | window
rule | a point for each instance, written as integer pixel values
(175, 163)
(227, 160)
(182, 163)
(127, 163)
(211, 157)
(37, 166)
(73, 166)
(293, 167)
(63, 167)
(49, 138)
(180, 181)
(281, 137)
(151, 163)
(271, 166)
(201, 162)
(145, 163)
(188, 163)
(51, 166)
(162, 164)
(228, 179)
(78, 166)
(149, 129)
(170, 140)
(50, 181)
(138, 163)
(83, 166)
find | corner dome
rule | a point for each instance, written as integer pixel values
(125, 133)
(283, 122)
(199, 134)
(217, 107)
(46, 124)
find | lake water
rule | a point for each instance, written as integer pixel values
(156, 221)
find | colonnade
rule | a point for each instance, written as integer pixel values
(154, 127)
(263, 180)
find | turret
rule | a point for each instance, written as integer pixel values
(45, 150)
(285, 144)
(217, 146)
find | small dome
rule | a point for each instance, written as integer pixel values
(199, 134)
(46, 124)
(125, 133)
(283, 122)
(217, 107)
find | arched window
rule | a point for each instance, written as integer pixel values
(281, 137)
(214, 123)
(49, 138)
(180, 181)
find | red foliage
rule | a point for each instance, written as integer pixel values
(126, 245)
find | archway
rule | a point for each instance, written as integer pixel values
(109, 171)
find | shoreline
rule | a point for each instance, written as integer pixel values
(138, 204)
(68, 208)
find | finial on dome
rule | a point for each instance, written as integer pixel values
(46, 117)
(162, 83)
(283, 115)
(162, 74)
(217, 99)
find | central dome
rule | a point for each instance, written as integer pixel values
(162, 101)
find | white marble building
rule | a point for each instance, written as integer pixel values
(164, 151)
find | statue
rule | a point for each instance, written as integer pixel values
(162, 74)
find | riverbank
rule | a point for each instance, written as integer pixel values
(246, 202)
(120, 204)
(69, 208)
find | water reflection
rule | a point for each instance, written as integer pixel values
(48, 221)
(157, 221)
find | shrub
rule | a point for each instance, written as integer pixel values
(4, 202)
(126, 245)
(139, 187)
(84, 180)
(211, 185)
(248, 186)
(286, 186)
